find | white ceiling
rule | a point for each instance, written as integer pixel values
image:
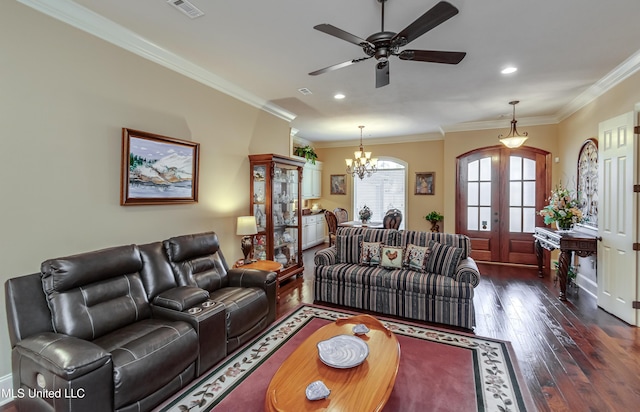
(567, 52)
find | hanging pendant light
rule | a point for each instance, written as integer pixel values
(362, 164)
(514, 139)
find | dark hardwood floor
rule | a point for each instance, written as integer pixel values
(574, 356)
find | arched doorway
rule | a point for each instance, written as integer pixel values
(498, 194)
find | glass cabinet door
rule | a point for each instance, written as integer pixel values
(259, 211)
(284, 207)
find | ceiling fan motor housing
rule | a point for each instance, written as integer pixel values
(383, 47)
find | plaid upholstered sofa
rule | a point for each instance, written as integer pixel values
(417, 275)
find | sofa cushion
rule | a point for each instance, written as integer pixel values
(348, 248)
(197, 260)
(389, 237)
(422, 239)
(443, 259)
(416, 257)
(392, 257)
(359, 278)
(95, 293)
(244, 307)
(147, 355)
(370, 253)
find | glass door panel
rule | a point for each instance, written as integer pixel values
(499, 191)
(284, 207)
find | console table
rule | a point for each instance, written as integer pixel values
(583, 244)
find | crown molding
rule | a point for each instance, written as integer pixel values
(425, 137)
(88, 21)
(624, 70)
(501, 124)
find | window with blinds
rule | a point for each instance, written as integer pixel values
(384, 190)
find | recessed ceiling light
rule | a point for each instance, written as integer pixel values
(339, 96)
(509, 70)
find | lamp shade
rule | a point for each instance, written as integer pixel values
(246, 225)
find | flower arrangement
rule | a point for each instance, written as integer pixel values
(365, 213)
(563, 208)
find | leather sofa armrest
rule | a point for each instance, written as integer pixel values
(249, 278)
(181, 298)
(325, 257)
(468, 272)
(63, 355)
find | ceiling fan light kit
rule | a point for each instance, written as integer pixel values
(513, 139)
(362, 163)
(385, 44)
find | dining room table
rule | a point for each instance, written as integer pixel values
(358, 223)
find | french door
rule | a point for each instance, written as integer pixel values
(499, 192)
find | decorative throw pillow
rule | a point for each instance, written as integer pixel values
(416, 257)
(443, 259)
(392, 257)
(370, 253)
(348, 248)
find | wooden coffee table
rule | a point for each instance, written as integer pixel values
(365, 387)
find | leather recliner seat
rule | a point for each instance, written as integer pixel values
(198, 261)
(104, 340)
(116, 329)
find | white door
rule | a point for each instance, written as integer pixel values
(617, 170)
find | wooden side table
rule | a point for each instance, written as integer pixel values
(268, 265)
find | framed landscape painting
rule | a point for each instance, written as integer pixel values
(425, 182)
(158, 170)
(338, 184)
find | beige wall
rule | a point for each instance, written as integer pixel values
(455, 144)
(424, 156)
(65, 95)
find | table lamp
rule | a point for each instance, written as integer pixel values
(247, 227)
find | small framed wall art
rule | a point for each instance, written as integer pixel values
(158, 170)
(338, 184)
(425, 183)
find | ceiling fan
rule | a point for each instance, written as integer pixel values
(384, 44)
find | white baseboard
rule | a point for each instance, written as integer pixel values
(6, 384)
(588, 285)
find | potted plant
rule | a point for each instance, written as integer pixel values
(307, 152)
(434, 217)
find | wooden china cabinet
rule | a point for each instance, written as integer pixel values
(275, 199)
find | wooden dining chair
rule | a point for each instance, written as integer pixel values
(332, 224)
(392, 219)
(341, 214)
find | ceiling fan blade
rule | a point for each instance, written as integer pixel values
(382, 74)
(433, 56)
(437, 15)
(341, 34)
(338, 66)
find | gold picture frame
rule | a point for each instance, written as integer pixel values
(158, 170)
(338, 184)
(425, 183)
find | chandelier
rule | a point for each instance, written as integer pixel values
(513, 139)
(362, 164)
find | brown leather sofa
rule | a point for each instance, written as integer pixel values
(124, 328)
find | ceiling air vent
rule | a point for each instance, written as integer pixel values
(187, 8)
(305, 91)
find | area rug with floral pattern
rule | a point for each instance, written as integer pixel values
(439, 370)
